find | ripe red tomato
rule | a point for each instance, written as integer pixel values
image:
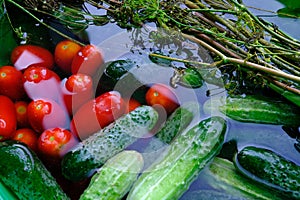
(97, 113)
(27, 136)
(41, 82)
(64, 54)
(77, 90)
(25, 55)
(11, 84)
(56, 142)
(44, 114)
(8, 118)
(21, 111)
(88, 60)
(132, 104)
(162, 95)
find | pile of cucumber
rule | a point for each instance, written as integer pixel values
(183, 150)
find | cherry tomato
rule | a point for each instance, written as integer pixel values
(44, 114)
(41, 82)
(162, 95)
(132, 104)
(25, 55)
(56, 142)
(8, 118)
(88, 60)
(97, 114)
(11, 84)
(27, 136)
(64, 54)
(21, 111)
(77, 90)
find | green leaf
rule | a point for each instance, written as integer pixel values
(7, 39)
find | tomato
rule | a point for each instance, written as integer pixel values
(44, 114)
(88, 60)
(11, 84)
(27, 136)
(132, 104)
(77, 90)
(56, 142)
(97, 113)
(8, 118)
(162, 95)
(21, 111)
(25, 55)
(64, 54)
(41, 82)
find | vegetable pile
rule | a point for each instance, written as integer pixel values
(71, 128)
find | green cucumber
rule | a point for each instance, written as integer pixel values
(257, 109)
(170, 176)
(115, 178)
(270, 169)
(6, 193)
(175, 124)
(222, 175)
(82, 161)
(25, 175)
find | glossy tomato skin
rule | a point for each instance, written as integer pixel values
(64, 53)
(88, 60)
(11, 84)
(8, 118)
(56, 142)
(27, 136)
(25, 55)
(97, 113)
(162, 95)
(132, 104)
(77, 89)
(41, 82)
(46, 113)
(21, 112)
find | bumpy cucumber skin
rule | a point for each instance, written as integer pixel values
(174, 125)
(115, 178)
(187, 155)
(222, 174)
(270, 169)
(94, 151)
(25, 174)
(261, 110)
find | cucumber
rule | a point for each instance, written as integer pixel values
(174, 125)
(25, 175)
(187, 155)
(256, 109)
(222, 175)
(82, 161)
(270, 169)
(6, 193)
(115, 178)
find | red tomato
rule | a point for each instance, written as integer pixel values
(8, 118)
(25, 55)
(132, 104)
(56, 142)
(41, 82)
(97, 114)
(64, 54)
(77, 90)
(27, 136)
(88, 60)
(11, 84)
(162, 95)
(21, 111)
(44, 114)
